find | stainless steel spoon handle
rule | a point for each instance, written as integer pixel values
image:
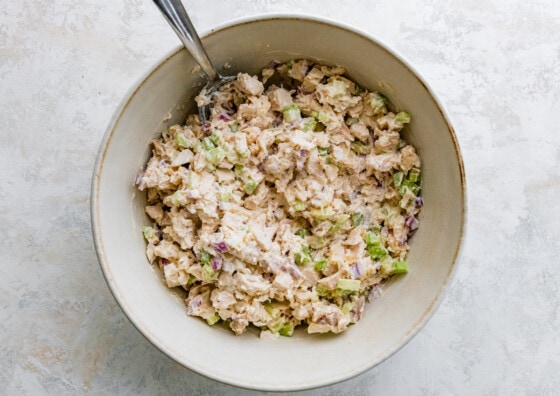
(175, 14)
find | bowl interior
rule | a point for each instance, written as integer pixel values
(301, 361)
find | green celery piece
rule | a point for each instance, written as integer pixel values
(148, 232)
(323, 151)
(303, 233)
(234, 126)
(402, 117)
(205, 258)
(250, 186)
(303, 257)
(351, 121)
(212, 320)
(207, 143)
(399, 267)
(215, 138)
(398, 178)
(176, 198)
(238, 170)
(348, 285)
(376, 252)
(208, 272)
(320, 265)
(181, 141)
(276, 326)
(322, 291)
(291, 113)
(287, 330)
(299, 206)
(414, 175)
(372, 239)
(309, 124)
(360, 148)
(215, 155)
(322, 213)
(357, 219)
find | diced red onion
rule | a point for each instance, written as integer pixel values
(411, 223)
(193, 305)
(374, 293)
(303, 153)
(221, 247)
(164, 261)
(217, 263)
(355, 271)
(206, 128)
(419, 202)
(225, 117)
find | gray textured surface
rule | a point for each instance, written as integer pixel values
(65, 65)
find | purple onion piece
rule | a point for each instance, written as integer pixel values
(193, 305)
(221, 247)
(374, 293)
(217, 263)
(164, 261)
(206, 128)
(355, 271)
(419, 202)
(303, 153)
(411, 223)
(225, 117)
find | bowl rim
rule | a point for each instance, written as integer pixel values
(95, 210)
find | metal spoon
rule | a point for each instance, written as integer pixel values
(175, 14)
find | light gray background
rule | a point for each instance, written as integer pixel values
(64, 67)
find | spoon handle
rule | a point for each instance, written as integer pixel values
(175, 14)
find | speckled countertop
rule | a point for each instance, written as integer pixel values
(64, 67)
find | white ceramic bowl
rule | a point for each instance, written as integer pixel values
(302, 361)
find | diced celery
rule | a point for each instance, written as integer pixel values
(321, 264)
(408, 185)
(208, 272)
(323, 151)
(212, 320)
(357, 219)
(322, 291)
(360, 148)
(276, 326)
(402, 117)
(414, 175)
(340, 87)
(215, 138)
(250, 186)
(351, 121)
(271, 309)
(303, 257)
(347, 307)
(234, 126)
(399, 267)
(225, 195)
(377, 102)
(287, 330)
(205, 258)
(398, 178)
(320, 116)
(323, 213)
(291, 113)
(191, 280)
(376, 252)
(148, 232)
(309, 124)
(177, 198)
(299, 206)
(207, 143)
(372, 239)
(193, 180)
(238, 170)
(181, 141)
(348, 285)
(303, 233)
(215, 155)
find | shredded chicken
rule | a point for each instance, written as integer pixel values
(287, 208)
